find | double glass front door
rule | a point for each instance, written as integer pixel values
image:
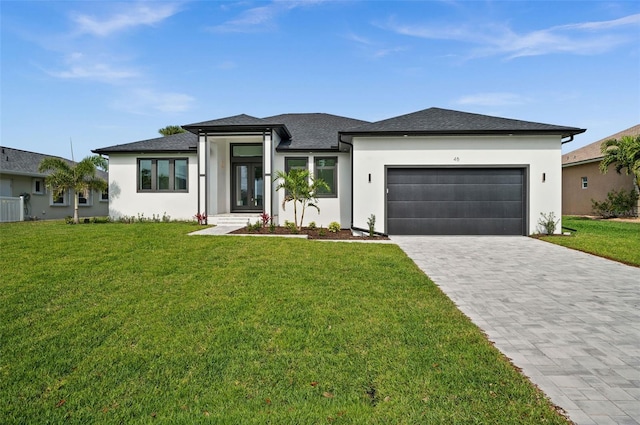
(248, 187)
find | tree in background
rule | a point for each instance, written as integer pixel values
(171, 129)
(77, 177)
(300, 186)
(625, 154)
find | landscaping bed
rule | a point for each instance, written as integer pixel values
(342, 234)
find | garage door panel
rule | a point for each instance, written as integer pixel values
(438, 209)
(456, 201)
(452, 226)
(438, 192)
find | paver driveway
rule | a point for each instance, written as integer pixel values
(570, 320)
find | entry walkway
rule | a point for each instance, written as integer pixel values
(570, 320)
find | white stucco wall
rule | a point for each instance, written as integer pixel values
(125, 200)
(541, 154)
(331, 209)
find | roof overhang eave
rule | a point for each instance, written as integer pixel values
(568, 132)
(281, 129)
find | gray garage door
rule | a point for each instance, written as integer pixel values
(456, 201)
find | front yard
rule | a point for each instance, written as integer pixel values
(616, 240)
(117, 323)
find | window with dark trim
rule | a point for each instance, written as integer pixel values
(163, 175)
(326, 168)
(38, 187)
(298, 163)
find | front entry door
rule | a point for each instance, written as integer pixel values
(248, 187)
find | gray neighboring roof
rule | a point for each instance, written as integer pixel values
(180, 142)
(592, 152)
(26, 163)
(445, 121)
(313, 131)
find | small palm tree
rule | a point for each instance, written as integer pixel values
(77, 177)
(625, 154)
(300, 186)
(171, 129)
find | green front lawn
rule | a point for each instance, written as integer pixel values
(117, 323)
(616, 240)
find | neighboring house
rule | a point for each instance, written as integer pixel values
(19, 176)
(434, 171)
(583, 181)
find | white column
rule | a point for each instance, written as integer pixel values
(267, 167)
(203, 162)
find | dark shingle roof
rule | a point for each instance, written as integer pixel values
(180, 142)
(242, 122)
(592, 152)
(445, 121)
(314, 131)
(25, 163)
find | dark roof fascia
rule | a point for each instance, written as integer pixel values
(141, 151)
(308, 150)
(563, 132)
(257, 129)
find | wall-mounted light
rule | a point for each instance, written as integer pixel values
(544, 177)
(369, 177)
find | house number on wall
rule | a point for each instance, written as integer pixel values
(456, 159)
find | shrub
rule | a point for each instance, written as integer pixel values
(334, 227)
(371, 222)
(312, 225)
(322, 231)
(265, 219)
(272, 226)
(548, 222)
(201, 217)
(618, 204)
(291, 226)
(69, 220)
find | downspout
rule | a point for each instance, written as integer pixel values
(351, 156)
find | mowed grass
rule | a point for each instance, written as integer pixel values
(615, 240)
(115, 323)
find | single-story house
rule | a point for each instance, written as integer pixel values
(434, 171)
(583, 181)
(19, 176)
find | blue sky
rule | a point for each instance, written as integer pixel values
(102, 73)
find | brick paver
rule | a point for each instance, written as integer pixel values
(570, 320)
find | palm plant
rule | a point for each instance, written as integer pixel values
(625, 154)
(77, 177)
(300, 186)
(171, 129)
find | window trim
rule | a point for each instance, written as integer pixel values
(584, 182)
(65, 199)
(34, 188)
(154, 175)
(88, 197)
(102, 193)
(334, 193)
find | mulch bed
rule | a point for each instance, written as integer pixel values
(343, 234)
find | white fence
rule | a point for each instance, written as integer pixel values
(11, 209)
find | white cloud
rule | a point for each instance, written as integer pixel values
(138, 14)
(81, 67)
(492, 99)
(373, 49)
(585, 38)
(262, 18)
(148, 102)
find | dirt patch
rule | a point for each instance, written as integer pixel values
(622, 219)
(343, 234)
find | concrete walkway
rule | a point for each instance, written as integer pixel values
(570, 320)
